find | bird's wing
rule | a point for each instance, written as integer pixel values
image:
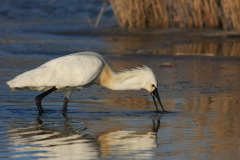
(72, 70)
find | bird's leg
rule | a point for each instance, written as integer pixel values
(67, 95)
(65, 105)
(41, 96)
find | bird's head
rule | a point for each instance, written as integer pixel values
(139, 78)
(150, 84)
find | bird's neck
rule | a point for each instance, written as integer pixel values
(119, 81)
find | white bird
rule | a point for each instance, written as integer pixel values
(80, 70)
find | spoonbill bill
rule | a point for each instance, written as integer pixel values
(80, 70)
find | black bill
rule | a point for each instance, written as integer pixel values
(154, 94)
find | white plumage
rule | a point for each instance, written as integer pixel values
(78, 71)
(74, 70)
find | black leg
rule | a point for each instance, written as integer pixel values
(155, 128)
(39, 121)
(65, 105)
(41, 96)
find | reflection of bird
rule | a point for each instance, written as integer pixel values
(130, 143)
(81, 70)
(56, 141)
(156, 127)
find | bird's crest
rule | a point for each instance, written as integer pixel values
(143, 71)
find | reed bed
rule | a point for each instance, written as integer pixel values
(178, 13)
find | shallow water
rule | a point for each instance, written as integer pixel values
(198, 75)
(201, 95)
(201, 128)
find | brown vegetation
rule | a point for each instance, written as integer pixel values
(178, 13)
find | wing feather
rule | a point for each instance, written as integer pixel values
(69, 71)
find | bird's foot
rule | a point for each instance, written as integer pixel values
(162, 112)
(64, 113)
(40, 112)
(39, 121)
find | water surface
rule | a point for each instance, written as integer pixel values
(201, 95)
(198, 81)
(201, 128)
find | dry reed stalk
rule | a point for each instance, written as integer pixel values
(178, 13)
(231, 14)
(100, 14)
(90, 22)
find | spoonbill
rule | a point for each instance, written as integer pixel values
(80, 70)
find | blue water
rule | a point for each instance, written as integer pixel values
(99, 131)
(59, 9)
(203, 115)
(200, 89)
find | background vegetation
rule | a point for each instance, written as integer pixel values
(178, 13)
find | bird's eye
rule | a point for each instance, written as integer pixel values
(153, 85)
